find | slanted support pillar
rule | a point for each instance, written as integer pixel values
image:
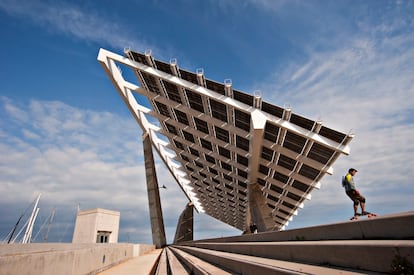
(184, 231)
(157, 221)
(258, 211)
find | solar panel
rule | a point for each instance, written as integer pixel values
(191, 77)
(243, 97)
(195, 100)
(201, 125)
(216, 87)
(162, 66)
(218, 110)
(219, 140)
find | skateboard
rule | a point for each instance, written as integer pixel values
(367, 214)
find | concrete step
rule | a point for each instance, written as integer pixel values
(162, 265)
(370, 255)
(375, 245)
(198, 266)
(387, 227)
(175, 266)
(245, 264)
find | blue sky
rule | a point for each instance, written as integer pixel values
(65, 132)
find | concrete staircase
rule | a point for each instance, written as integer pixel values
(368, 246)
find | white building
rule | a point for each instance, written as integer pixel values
(96, 226)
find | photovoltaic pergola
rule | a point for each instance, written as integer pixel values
(216, 140)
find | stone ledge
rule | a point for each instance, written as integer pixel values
(58, 258)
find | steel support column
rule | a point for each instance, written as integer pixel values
(184, 231)
(155, 210)
(258, 211)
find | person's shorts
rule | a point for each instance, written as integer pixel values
(355, 196)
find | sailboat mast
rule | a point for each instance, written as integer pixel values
(50, 223)
(29, 228)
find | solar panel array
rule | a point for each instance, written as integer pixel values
(219, 140)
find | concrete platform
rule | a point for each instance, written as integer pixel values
(397, 226)
(370, 255)
(143, 264)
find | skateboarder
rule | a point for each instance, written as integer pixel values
(352, 192)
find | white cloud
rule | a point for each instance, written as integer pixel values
(71, 19)
(14, 112)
